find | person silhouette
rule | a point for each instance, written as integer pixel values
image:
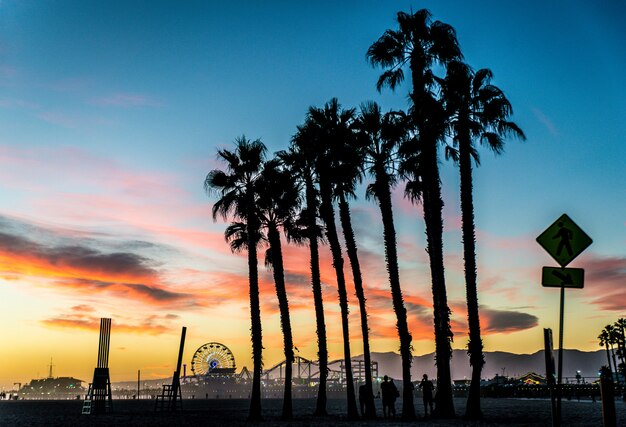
(427, 394)
(387, 390)
(565, 234)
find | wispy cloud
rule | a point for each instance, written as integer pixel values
(58, 118)
(126, 100)
(13, 104)
(545, 120)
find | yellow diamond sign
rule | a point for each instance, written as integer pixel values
(564, 240)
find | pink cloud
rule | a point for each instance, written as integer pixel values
(604, 282)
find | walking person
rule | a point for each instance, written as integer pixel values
(393, 391)
(427, 392)
(363, 399)
(385, 391)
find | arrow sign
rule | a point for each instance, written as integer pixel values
(564, 240)
(554, 277)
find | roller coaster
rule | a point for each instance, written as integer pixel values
(305, 370)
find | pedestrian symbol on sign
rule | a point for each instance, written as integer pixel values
(565, 234)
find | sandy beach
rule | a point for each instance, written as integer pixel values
(497, 412)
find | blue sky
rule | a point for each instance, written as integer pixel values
(111, 113)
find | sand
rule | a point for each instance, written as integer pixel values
(497, 412)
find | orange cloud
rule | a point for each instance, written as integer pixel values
(89, 323)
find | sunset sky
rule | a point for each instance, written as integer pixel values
(110, 117)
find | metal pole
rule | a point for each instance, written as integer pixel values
(560, 376)
(138, 383)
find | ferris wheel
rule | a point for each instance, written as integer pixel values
(213, 358)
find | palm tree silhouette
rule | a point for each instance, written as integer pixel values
(478, 110)
(300, 158)
(327, 127)
(419, 44)
(347, 158)
(620, 327)
(604, 339)
(381, 135)
(278, 204)
(236, 190)
(612, 338)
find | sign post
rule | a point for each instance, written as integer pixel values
(564, 240)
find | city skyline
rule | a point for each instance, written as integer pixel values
(111, 118)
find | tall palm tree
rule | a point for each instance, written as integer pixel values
(479, 111)
(381, 135)
(419, 44)
(278, 204)
(324, 125)
(235, 188)
(300, 158)
(347, 156)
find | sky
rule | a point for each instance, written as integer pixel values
(110, 117)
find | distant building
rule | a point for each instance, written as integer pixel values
(53, 388)
(532, 378)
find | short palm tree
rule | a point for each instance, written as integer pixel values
(236, 190)
(381, 135)
(419, 44)
(620, 327)
(612, 338)
(604, 339)
(478, 111)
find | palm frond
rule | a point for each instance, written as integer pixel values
(451, 153)
(390, 79)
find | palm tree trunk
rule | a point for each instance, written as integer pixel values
(383, 194)
(285, 323)
(316, 284)
(433, 207)
(255, 317)
(475, 345)
(328, 216)
(427, 117)
(348, 232)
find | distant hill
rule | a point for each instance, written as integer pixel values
(514, 365)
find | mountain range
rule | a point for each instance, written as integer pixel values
(496, 363)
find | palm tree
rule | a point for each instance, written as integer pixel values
(278, 203)
(301, 160)
(604, 339)
(381, 136)
(235, 188)
(326, 127)
(612, 340)
(420, 44)
(347, 162)
(478, 110)
(620, 327)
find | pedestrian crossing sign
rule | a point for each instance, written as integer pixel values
(564, 240)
